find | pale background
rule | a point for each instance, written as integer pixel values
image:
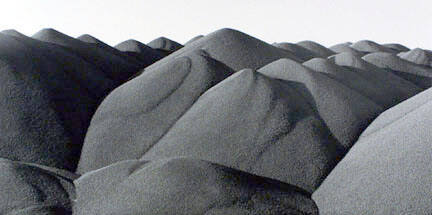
(326, 21)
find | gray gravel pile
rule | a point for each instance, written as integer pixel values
(224, 124)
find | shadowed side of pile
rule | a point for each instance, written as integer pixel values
(28, 189)
(81, 71)
(181, 186)
(115, 52)
(116, 67)
(256, 124)
(137, 114)
(47, 101)
(388, 170)
(417, 74)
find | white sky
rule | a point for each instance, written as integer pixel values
(328, 22)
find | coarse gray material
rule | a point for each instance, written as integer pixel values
(47, 102)
(316, 48)
(388, 171)
(417, 74)
(31, 190)
(137, 114)
(255, 124)
(181, 186)
(226, 124)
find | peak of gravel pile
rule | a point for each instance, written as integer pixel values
(12, 32)
(165, 45)
(346, 47)
(144, 54)
(235, 49)
(418, 56)
(193, 39)
(297, 50)
(90, 39)
(316, 48)
(397, 47)
(371, 47)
